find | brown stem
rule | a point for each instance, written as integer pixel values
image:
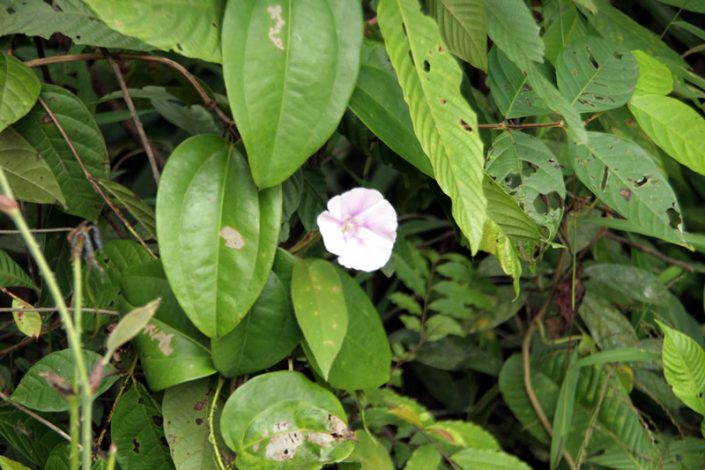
(650, 251)
(34, 415)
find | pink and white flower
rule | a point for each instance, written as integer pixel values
(360, 226)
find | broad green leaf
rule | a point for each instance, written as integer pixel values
(463, 24)
(35, 442)
(77, 121)
(463, 434)
(608, 326)
(470, 459)
(34, 390)
(525, 167)
(289, 68)
(690, 5)
(321, 310)
(684, 368)
(379, 103)
(364, 359)
(136, 430)
(283, 417)
(623, 176)
(622, 283)
(188, 28)
(264, 337)
(27, 172)
(19, 89)
(675, 127)
(567, 27)
(496, 242)
(513, 29)
(209, 207)
(28, 321)
(506, 213)
(185, 409)
(443, 121)
(425, 457)
(139, 209)
(510, 89)
(11, 274)
(60, 459)
(654, 76)
(369, 454)
(130, 326)
(74, 19)
(9, 464)
(596, 75)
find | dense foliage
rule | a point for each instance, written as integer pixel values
(171, 301)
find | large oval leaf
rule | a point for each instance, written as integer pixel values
(289, 69)
(464, 27)
(264, 337)
(19, 90)
(510, 89)
(78, 123)
(217, 233)
(684, 368)
(189, 28)
(282, 420)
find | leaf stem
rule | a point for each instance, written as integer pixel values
(211, 429)
(75, 429)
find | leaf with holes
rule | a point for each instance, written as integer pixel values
(282, 420)
(463, 24)
(40, 130)
(379, 103)
(208, 206)
(188, 28)
(675, 127)
(595, 74)
(443, 121)
(139, 209)
(654, 76)
(11, 274)
(684, 368)
(19, 89)
(526, 168)
(624, 177)
(289, 68)
(27, 172)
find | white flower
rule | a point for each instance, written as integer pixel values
(360, 226)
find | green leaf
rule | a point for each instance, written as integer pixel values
(568, 27)
(137, 432)
(130, 326)
(34, 390)
(463, 434)
(19, 89)
(684, 368)
(264, 337)
(654, 76)
(675, 127)
(188, 28)
(506, 213)
(289, 68)
(425, 457)
(596, 75)
(378, 102)
(35, 442)
(40, 131)
(124, 197)
(321, 311)
(364, 359)
(510, 89)
(443, 121)
(283, 417)
(11, 274)
(463, 24)
(608, 326)
(209, 207)
(28, 321)
(623, 176)
(27, 172)
(9, 464)
(369, 454)
(513, 29)
(469, 459)
(690, 5)
(185, 409)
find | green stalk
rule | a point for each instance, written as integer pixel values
(211, 429)
(75, 415)
(74, 339)
(86, 394)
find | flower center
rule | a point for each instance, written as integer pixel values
(349, 227)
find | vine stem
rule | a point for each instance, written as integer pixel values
(211, 429)
(9, 206)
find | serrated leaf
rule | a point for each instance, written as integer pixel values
(40, 131)
(596, 75)
(188, 28)
(11, 274)
(675, 127)
(35, 392)
(378, 102)
(684, 368)
(19, 89)
(289, 68)
(425, 457)
(510, 89)
(463, 24)
(209, 207)
(139, 209)
(72, 18)
(513, 29)
(654, 76)
(469, 459)
(27, 172)
(623, 176)
(130, 326)
(28, 321)
(443, 121)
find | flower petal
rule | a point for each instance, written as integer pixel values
(356, 201)
(368, 251)
(331, 232)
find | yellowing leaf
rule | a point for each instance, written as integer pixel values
(28, 321)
